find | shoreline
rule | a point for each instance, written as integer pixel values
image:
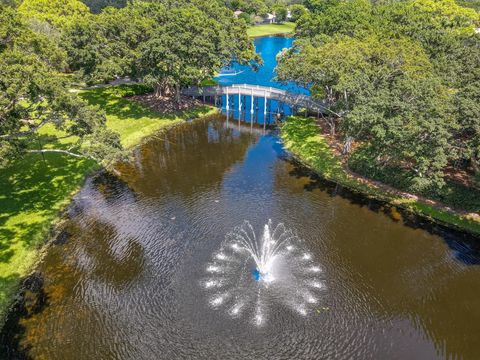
(36, 243)
(314, 153)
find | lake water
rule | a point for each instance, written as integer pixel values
(141, 269)
(269, 48)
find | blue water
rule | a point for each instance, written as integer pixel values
(268, 48)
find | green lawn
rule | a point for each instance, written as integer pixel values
(303, 138)
(34, 190)
(271, 29)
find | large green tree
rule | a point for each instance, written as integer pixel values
(105, 46)
(383, 93)
(400, 77)
(59, 13)
(32, 95)
(167, 45)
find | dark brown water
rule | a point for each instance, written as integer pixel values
(123, 281)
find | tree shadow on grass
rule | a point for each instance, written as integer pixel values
(113, 101)
(33, 189)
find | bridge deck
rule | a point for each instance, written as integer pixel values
(296, 100)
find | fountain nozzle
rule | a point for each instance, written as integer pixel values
(257, 275)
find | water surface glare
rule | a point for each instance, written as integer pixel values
(146, 268)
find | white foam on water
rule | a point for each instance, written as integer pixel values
(250, 273)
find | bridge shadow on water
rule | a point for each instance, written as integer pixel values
(463, 247)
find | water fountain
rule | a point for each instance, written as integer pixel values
(247, 274)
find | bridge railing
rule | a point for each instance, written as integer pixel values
(298, 100)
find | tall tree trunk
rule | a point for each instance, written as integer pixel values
(158, 90)
(331, 123)
(178, 93)
(347, 145)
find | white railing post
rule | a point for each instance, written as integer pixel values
(239, 102)
(265, 110)
(227, 107)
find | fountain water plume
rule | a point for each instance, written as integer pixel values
(249, 273)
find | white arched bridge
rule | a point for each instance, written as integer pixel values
(231, 92)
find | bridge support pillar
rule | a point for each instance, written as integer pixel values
(226, 96)
(251, 106)
(239, 103)
(265, 110)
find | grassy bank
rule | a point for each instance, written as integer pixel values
(303, 138)
(271, 29)
(34, 190)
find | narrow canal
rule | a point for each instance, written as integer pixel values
(126, 277)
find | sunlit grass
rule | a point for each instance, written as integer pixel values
(34, 190)
(131, 120)
(271, 29)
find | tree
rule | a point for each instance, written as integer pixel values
(105, 46)
(297, 11)
(354, 17)
(281, 12)
(256, 7)
(96, 6)
(385, 95)
(56, 12)
(317, 6)
(165, 45)
(467, 102)
(246, 17)
(177, 55)
(439, 25)
(32, 95)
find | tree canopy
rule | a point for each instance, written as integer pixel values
(400, 78)
(167, 44)
(56, 12)
(32, 95)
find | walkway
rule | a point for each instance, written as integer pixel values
(296, 101)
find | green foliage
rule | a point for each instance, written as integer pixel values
(451, 194)
(338, 18)
(96, 6)
(281, 12)
(32, 95)
(59, 13)
(297, 11)
(246, 17)
(400, 77)
(317, 6)
(105, 46)
(474, 4)
(302, 137)
(166, 47)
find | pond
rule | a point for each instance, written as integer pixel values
(239, 108)
(156, 263)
